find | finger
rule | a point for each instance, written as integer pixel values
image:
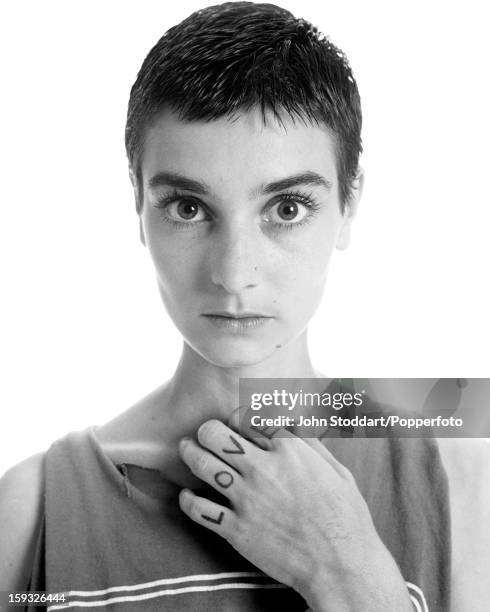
(261, 436)
(210, 468)
(207, 513)
(236, 416)
(228, 445)
(239, 421)
(277, 437)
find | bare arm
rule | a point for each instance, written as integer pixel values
(467, 463)
(21, 494)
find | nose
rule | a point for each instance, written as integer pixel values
(234, 261)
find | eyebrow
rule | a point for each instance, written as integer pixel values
(172, 179)
(304, 178)
(178, 181)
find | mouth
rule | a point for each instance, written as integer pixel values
(237, 322)
(237, 315)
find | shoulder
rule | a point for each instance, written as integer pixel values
(139, 434)
(21, 496)
(467, 464)
(27, 470)
(465, 459)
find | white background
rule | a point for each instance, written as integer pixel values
(83, 333)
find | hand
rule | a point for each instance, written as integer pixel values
(296, 513)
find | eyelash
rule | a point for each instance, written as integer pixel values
(299, 198)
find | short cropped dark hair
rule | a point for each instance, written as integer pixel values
(227, 59)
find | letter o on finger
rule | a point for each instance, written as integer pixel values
(224, 479)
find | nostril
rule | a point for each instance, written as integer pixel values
(234, 274)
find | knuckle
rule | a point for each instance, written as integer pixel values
(265, 444)
(251, 469)
(234, 531)
(281, 444)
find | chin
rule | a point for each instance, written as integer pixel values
(234, 356)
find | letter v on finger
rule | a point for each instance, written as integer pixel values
(238, 450)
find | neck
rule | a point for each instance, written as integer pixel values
(200, 390)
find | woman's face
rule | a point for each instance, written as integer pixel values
(240, 218)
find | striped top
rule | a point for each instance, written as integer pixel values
(114, 537)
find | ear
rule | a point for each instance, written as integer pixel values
(357, 185)
(134, 183)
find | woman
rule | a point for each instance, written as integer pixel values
(243, 139)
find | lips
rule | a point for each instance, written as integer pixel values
(241, 323)
(237, 315)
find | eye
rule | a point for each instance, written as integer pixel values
(185, 210)
(288, 210)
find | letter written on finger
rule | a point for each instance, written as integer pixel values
(205, 512)
(224, 479)
(217, 520)
(237, 450)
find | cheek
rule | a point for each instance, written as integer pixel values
(175, 266)
(304, 264)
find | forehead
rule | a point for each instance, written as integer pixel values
(239, 152)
